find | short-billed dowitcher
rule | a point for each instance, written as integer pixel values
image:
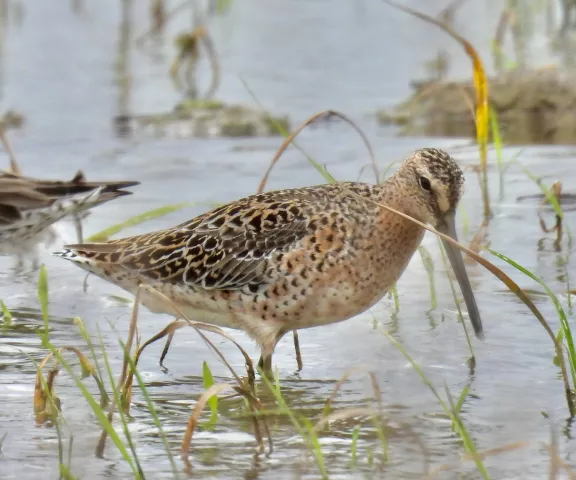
(290, 259)
(29, 207)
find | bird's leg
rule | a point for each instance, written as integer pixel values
(297, 348)
(265, 362)
(262, 364)
(166, 347)
(265, 366)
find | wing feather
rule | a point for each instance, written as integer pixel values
(225, 249)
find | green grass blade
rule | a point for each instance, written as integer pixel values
(69, 459)
(55, 409)
(280, 128)
(316, 447)
(396, 298)
(386, 171)
(80, 324)
(456, 420)
(567, 332)
(98, 412)
(222, 6)
(119, 405)
(461, 400)
(105, 234)
(550, 197)
(429, 267)
(472, 361)
(43, 297)
(464, 219)
(465, 436)
(153, 413)
(497, 140)
(354, 446)
(213, 401)
(7, 318)
(303, 425)
(65, 473)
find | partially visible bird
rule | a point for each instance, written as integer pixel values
(29, 207)
(290, 259)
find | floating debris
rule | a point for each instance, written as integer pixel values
(203, 118)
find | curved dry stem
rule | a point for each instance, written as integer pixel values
(122, 379)
(253, 403)
(177, 324)
(214, 65)
(344, 415)
(88, 370)
(479, 240)
(498, 39)
(347, 374)
(442, 469)
(193, 421)
(512, 286)
(410, 432)
(198, 326)
(241, 389)
(469, 103)
(256, 406)
(148, 33)
(325, 114)
(169, 330)
(40, 396)
(126, 377)
(14, 167)
(297, 349)
(166, 348)
(42, 407)
(361, 171)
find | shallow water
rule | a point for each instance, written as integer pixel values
(59, 70)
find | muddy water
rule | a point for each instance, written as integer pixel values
(60, 70)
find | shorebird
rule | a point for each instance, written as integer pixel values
(29, 207)
(290, 259)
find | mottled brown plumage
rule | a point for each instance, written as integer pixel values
(287, 259)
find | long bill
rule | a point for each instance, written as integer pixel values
(448, 227)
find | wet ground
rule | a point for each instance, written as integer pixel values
(59, 69)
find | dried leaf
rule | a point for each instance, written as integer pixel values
(200, 404)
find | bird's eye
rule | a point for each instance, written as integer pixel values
(425, 184)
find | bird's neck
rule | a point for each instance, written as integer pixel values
(396, 193)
